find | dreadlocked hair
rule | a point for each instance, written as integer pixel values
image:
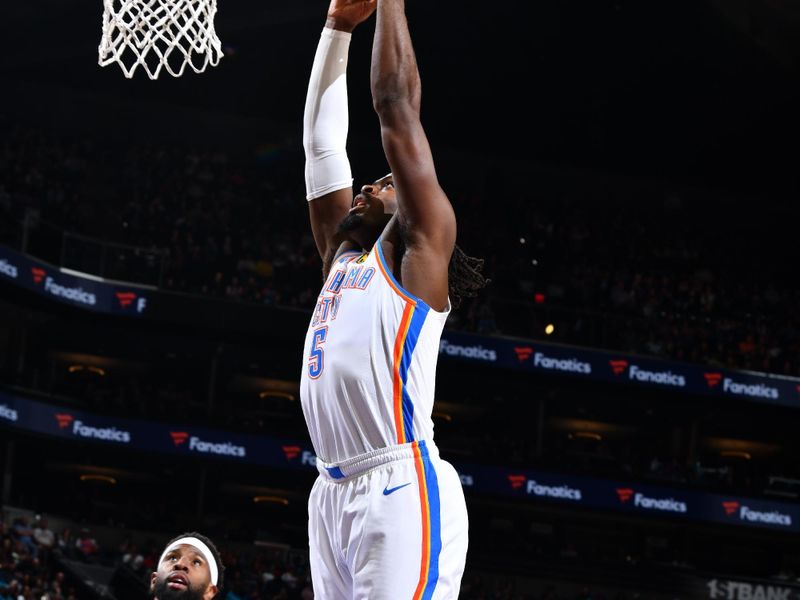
(465, 276)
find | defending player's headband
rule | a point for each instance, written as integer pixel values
(202, 548)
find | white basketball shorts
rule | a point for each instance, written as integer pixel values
(388, 525)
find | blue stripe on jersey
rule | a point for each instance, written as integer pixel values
(419, 301)
(414, 329)
(432, 483)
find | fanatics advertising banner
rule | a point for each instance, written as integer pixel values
(139, 435)
(94, 293)
(565, 490)
(70, 287)
(529, 355)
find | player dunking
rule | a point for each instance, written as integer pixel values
(387, 516)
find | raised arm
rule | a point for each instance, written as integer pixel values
(325, 123)
(424, 211)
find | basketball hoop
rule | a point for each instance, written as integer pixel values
(159, 33)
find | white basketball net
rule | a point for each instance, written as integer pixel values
(159, 33)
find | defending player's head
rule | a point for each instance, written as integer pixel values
(190, 568)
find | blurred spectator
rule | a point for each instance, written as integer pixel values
(132, 557)
(24, 535)
(43, 535)
(66, 542)
(87, 546)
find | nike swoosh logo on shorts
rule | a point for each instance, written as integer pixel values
(387, 490)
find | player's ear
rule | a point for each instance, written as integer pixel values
(153, 578)
(211, 591)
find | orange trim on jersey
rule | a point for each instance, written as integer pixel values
(390, 279)
(399, 344)
(425, 514)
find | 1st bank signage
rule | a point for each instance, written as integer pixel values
(742, 590)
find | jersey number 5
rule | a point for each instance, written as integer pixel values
(316, 359)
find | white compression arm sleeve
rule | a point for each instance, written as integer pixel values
(325, 120)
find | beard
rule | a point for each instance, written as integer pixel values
(162, 592)
(351, 223)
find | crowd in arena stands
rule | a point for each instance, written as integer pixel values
(31, 568)
(620, 271)
(36, 563)
(28, 570)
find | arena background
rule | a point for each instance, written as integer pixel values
(629, 171)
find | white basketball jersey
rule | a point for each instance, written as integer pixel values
(369, 363)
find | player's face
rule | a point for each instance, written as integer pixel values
(372, 207)
(182, 575)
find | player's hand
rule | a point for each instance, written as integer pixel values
(346, 14)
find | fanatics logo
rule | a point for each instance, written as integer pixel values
(218, 448)
(474, 352)
(644, 502)
(516, 481)
(179, 437)
(745, 513)
(38, 274)
(713, 379)
(125, 298)
(558, 492)
(730, 507)
(523, 353)
(64, 420)
(618, 366)
(625, 494)
(291, 452)
(571, 365)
